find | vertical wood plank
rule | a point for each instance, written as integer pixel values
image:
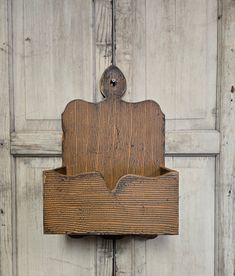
(225, 188)
(103, 41)
(103, 55)
(125, 257)
(131, 257)
(131, 46)
(6, 248)
(104, 257)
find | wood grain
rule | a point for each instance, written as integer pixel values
(113, 137)
(192, 136)
(83, 204)
(102, 56)
(112, 182)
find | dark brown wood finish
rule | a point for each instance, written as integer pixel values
(113, 181)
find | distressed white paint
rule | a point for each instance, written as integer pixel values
(6, 248)
(53, 59)
(103, 40)
(167, 50)
(192, 251)
(39, 254)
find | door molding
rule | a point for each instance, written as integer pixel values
(188, 142)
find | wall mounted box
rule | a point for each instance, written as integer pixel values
(113, 180)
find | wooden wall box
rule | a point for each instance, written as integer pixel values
(113, 180)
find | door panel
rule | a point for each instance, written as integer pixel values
(53, 59)
(168, 50)
(55, 51)
(39, 254)
(190, 253)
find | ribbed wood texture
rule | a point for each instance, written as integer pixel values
(83, 204)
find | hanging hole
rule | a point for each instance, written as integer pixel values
(113, 82)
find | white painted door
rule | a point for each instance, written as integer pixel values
(179, 53)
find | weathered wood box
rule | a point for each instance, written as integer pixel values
(113, 180)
